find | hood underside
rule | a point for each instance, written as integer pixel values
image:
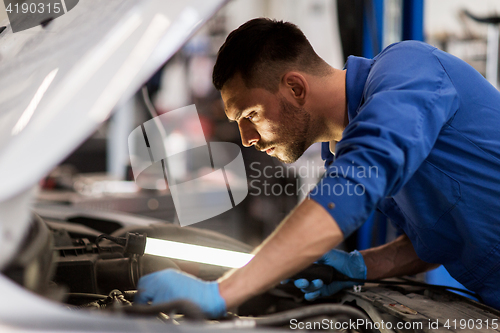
(61, 81)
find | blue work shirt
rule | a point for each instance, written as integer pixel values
(423, 146)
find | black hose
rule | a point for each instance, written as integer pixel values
(336, 310)
(118, 240)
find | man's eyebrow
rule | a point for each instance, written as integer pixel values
(238, 116)
(229, 104)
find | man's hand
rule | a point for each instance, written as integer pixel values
(396, 258)
(350, 264)
(304, 236)
(171, 285)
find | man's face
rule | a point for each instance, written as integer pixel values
(268, 121)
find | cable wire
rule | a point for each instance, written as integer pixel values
(147, 102)
(118, 240)
(87, 295)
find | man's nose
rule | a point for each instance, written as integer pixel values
(249, 136)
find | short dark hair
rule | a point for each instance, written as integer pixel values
(261, 50)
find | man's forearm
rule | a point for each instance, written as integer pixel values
(304, 236)
(396, 258)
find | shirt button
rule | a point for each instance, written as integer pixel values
(331, 205)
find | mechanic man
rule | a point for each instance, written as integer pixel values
(427, 121)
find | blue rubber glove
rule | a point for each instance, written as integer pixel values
(171, 285)
(350, 264)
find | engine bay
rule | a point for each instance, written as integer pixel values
(70, 261)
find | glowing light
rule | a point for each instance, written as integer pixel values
(197, 253)
(28, 113)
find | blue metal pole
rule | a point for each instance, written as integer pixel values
(373, 19)
(413, 20)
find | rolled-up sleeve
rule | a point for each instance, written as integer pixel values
(408, 98)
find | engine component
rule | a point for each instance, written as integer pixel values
(85, 267)
(133, 242)
(32, 267)
(82, 268)
(115, 298)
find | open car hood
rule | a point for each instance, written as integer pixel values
(61, 81)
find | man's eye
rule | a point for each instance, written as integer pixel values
(250, 116)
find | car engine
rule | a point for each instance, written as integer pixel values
(93, 263)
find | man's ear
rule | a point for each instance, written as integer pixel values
(295, 86)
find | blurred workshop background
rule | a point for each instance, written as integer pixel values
(98, 175)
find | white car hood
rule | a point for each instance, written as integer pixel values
(60, 82)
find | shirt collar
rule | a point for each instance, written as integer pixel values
(357, 72)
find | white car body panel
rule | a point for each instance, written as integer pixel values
(59, 83)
